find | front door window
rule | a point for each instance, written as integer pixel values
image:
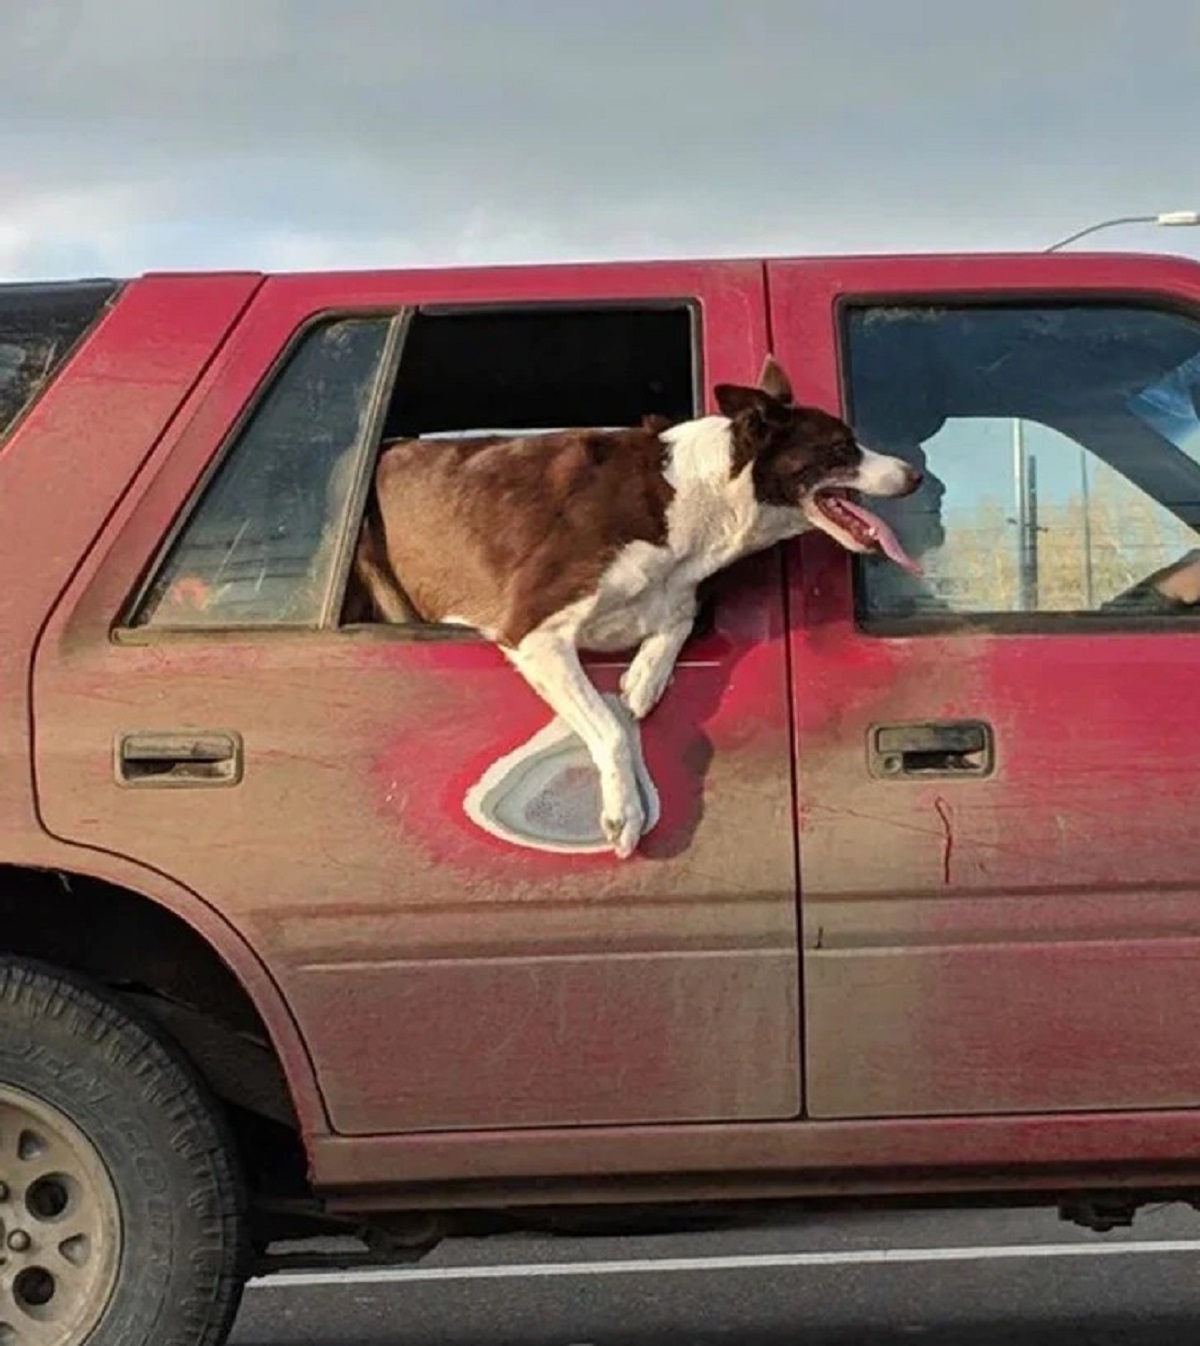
(1061, 449)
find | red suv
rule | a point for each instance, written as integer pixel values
(305, 924)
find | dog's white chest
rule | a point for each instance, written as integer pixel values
(644, 590)
(711, 521)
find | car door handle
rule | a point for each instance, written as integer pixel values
(931, 748)
(159, 759)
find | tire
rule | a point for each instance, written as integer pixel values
(122, 1205)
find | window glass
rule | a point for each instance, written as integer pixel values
(258, 548)
(40, 324)
(1062, 452)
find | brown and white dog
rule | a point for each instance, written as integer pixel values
(598, 539)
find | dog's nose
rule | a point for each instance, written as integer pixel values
(914, 477)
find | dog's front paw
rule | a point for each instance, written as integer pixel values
(642, 687)
(623, 821)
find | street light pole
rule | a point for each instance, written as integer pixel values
(1167, 218)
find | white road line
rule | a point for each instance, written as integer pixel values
(748, 1262)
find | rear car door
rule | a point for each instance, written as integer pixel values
(347, 795)
(1000, 863)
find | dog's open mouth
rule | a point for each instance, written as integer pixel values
(866, 531)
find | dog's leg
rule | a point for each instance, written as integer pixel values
(375, 576)
(548, 660)
(646, 678)
(387, 598)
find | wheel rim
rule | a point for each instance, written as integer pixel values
(60, 1226)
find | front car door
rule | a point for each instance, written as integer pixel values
(1000, 863)
(380, 811)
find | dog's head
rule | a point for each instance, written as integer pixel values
(806, 459)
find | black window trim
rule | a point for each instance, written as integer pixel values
(1001, 624)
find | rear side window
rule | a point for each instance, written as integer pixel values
(268, 544)
(39, 327)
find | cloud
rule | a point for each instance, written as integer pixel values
(81, 231)
(391, 132)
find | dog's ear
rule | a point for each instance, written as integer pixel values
(756, 420)
(775, 383)
(774, 390)
(735, 400)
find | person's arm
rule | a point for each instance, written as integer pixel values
(1174, 588)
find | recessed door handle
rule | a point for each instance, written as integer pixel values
(151, 758)
(931, 748)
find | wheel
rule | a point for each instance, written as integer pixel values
(122, 1209)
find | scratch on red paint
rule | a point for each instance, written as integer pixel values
(943, 812)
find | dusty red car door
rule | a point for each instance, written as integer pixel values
(443, 977)
(1000, 864)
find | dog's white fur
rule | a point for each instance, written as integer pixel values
(647, 598)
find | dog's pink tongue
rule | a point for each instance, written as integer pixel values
(888, 542)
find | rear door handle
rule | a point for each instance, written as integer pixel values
(174, 759)
(931, 749)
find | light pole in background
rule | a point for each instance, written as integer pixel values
(1167, 218)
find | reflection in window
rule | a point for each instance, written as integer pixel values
(257, 550)
(1169, 406)
(1059, 445)
(40, 325)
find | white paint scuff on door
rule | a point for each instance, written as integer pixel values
(545, 794)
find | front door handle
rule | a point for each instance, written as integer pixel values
(182, 758)
(931, 749)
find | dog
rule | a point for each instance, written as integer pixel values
(597, 540)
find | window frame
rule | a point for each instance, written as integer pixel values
(400, 317)
(1000, 623)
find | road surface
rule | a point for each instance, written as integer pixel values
(856, 1279)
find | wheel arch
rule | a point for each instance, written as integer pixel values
(155, 934)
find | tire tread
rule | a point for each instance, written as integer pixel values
(132, 1050)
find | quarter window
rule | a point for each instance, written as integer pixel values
(257, 550)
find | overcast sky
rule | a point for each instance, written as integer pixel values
(139, 134)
